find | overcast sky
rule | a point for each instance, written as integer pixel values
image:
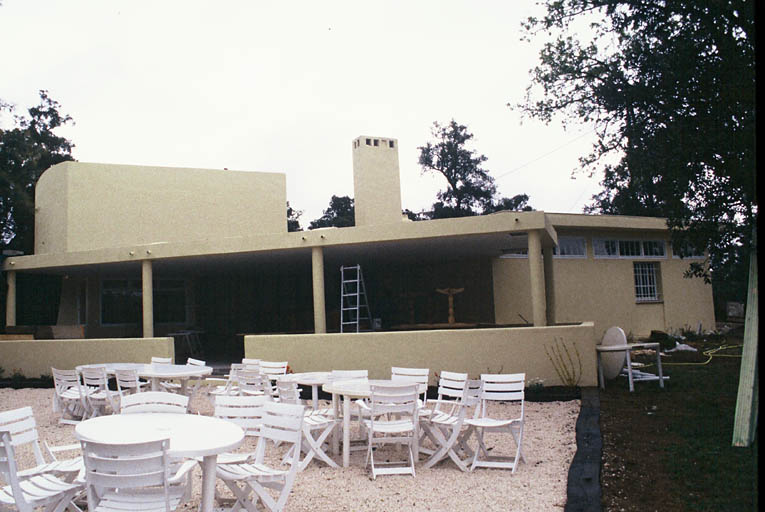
(286, 86)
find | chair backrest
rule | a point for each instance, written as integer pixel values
(251, 363)
(504, 387)
(65, 379)
(418, 375)
(348, 374)
(195, 362)
(245, 411)
(126, 467)
(22, 428)
(394, 398)
(273, 367)
(161, 360)
(251, 381)
(154, 401)
(94, 377)
(288, 391)
(451, 385)
(127, 381)
(282, 423)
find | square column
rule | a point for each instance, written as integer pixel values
(147, 296)
(319, 308)
(537, 275)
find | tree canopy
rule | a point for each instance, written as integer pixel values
(339, 213)
(293, 218)
(670, 88)
(470, 189)
(26, 150)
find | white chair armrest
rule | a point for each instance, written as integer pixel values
(183, 469)
(52, 450)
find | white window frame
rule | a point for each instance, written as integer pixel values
(576, 242)
(614, 248)
(647, 279)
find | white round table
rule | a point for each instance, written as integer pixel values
(155, 372)
(191, 435)
(350, 389)
(313, 379)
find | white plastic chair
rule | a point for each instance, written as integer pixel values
(67, 399)
(25, 494)
(155, 401)
(245, 411)
(128, 382)
(507, 388)
(95, 390)
(281, 423)
(192, 383)
(273, 370)
(161, 360)
(418, 375)
(316, 426)
(253, 383)
(393, 420)
(447, 429)
(22, 428)
(134, 476)
(451, 386)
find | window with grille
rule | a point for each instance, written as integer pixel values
(646, 281)
(570, 247)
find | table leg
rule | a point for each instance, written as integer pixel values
(315, 396)
(658, 364)
(629, 371)
(335, 433)
(346, 431)
(208, 483)
(155, 383)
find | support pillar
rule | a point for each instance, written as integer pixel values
(147, 294)
(537, 274)
(547, 256)
(319, 308)
(10, 299)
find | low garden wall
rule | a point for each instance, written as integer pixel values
(475, 351)
(33, 358)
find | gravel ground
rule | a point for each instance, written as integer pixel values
(549, 445)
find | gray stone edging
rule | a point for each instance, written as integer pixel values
(583, 489)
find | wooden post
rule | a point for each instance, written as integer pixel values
(745, 422)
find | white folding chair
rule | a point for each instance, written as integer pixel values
(128, 382)
(451, 386)
(192, 384)
(273, 370)
(252, 382)
(245, 411)
(418, 375)
(445, 429)
(281, 423)
(66, 398)
(509, 389)
(227, 386)
(393, 420)
(22, 427)
(25, 494)
(155, 401)
(252, 364)
(316, 426)
(133, 476)
(95, 390)
(161, 360)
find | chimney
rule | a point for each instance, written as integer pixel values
(376, 181)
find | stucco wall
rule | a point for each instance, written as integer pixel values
(474, 351)
(33, 358)
(84, 206)
(602, 290)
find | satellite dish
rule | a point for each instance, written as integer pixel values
(613, 362)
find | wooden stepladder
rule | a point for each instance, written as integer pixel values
(354, 309)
